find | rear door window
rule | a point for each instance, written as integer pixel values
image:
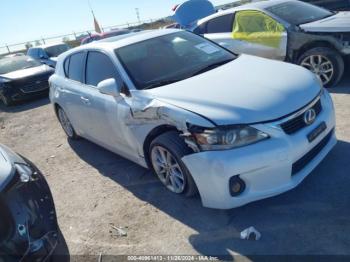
(221, 24)
(99, 67)
(76, 66)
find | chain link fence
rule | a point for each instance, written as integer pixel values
(75, 38)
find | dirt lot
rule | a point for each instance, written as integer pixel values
(94, 188)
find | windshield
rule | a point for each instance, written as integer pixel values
(297, 13)
(170, 58)
(12, 64)
(54, 51)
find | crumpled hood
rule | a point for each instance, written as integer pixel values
(7, 158)
(247, 90)
(339, 22)
(27, 72)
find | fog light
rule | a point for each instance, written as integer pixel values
(237, 186)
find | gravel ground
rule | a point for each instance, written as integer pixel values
(94, 189)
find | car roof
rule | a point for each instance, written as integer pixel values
(261, 5)
(123, 40)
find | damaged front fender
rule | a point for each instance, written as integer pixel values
(148, 113)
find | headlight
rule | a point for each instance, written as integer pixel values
(227, 138)
(25, 172)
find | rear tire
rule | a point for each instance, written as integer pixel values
(165, 154)
(325, 62)
(66, 124)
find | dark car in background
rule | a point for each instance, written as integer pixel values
(23, 78)
(28, 222)
(47, 54)
(96, 37)
(335, 5)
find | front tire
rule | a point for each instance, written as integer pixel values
(66, 124)
(325, 62)
(165, 155)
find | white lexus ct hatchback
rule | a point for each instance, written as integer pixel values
(233, 128)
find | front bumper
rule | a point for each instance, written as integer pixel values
(31, 212)
(18, 94)
(265, 167)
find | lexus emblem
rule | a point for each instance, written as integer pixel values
(309, 116)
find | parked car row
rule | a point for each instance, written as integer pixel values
(206, 120)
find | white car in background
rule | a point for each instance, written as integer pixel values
(234, 128)
(286, 30)
(47, 54)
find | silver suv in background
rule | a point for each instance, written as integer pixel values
(47, 54)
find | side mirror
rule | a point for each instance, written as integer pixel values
(109, 87)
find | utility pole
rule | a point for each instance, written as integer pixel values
(138, 15)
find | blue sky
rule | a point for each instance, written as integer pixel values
(25, 20)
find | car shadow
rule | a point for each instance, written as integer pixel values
(311, 219)
(343, 87)
(24, 105)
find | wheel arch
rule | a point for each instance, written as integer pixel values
(310, 45)
(56, 107)
(155, 132)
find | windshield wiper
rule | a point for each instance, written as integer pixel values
(161, 83)
(212, 66)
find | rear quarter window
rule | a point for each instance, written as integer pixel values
(76, 65)
(66, 66)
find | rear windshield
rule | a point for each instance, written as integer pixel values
(297, 13)
(54, 51)
(12, 64)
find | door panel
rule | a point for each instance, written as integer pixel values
(75, 100)
(258, 34)
(75, 106)
(106, 113)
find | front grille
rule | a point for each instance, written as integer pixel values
(305, 160)
(294, 125)
(35, 86)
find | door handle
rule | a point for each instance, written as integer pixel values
(85, 100)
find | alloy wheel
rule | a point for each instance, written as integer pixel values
(168, 169)
(321, 66)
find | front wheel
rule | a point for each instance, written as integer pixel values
(166, 152)
(325, 62)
